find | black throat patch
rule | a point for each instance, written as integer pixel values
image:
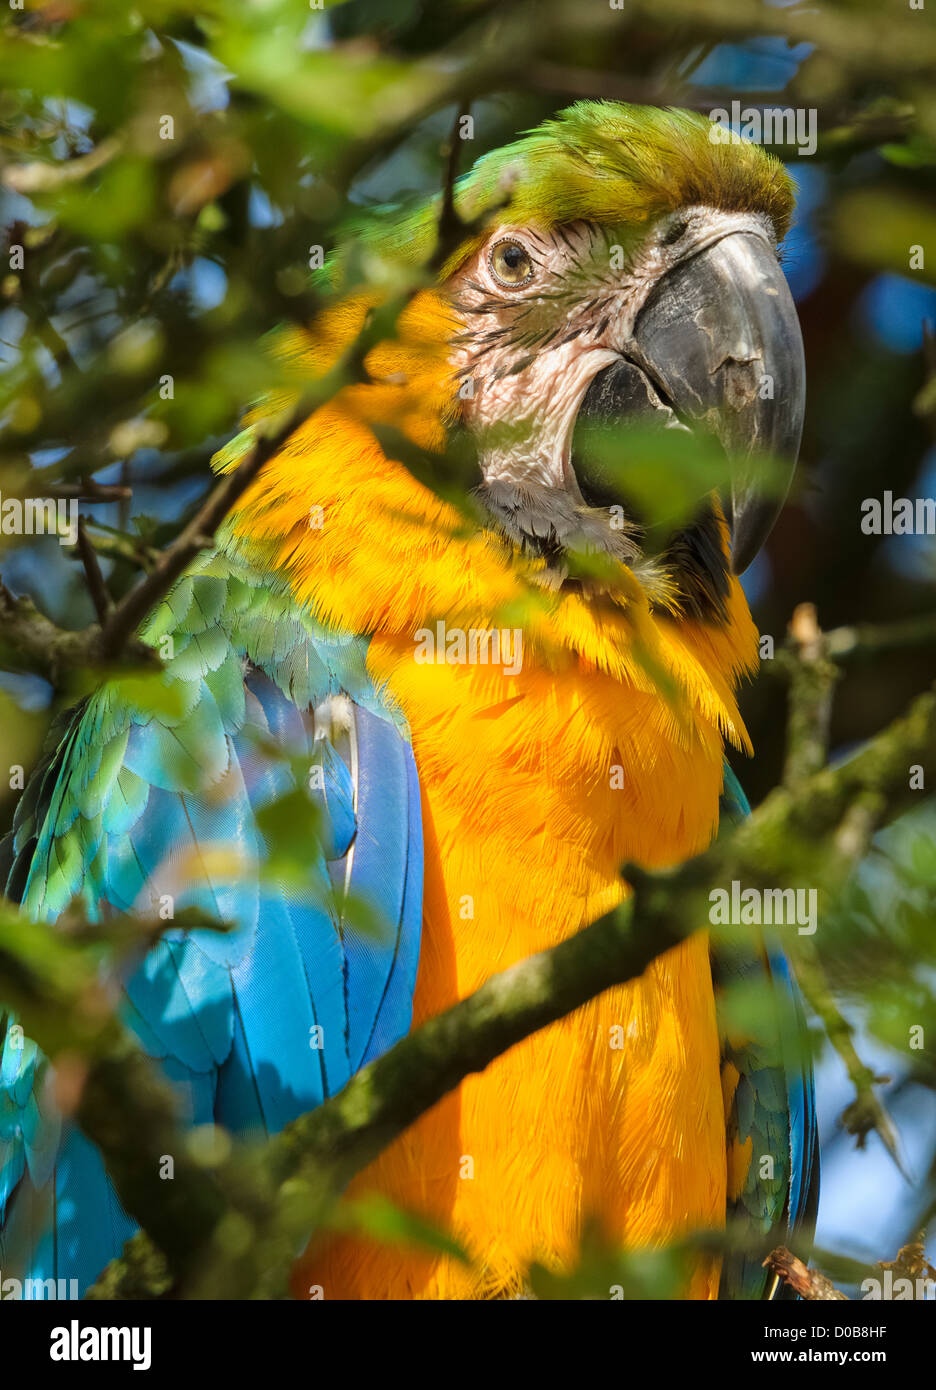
(549, 523)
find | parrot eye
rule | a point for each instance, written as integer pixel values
(675, 232)
(511, 264)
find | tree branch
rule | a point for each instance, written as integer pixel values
(808, 1283)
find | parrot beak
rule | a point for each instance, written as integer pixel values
(717, 347)
(720, 339)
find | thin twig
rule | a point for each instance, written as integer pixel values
(90, 491)
(812, 685)
(813, 677)
(197, 536)
(103, 603)
(40, 177)
(865, 641)
(450, 229)
(119, 545)
(808, 1283)
(866, 1113)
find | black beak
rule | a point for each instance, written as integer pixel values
(719, 341)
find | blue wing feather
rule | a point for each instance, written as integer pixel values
(378, 875)
(774, 1100)
(136, 810)
(396, 1008)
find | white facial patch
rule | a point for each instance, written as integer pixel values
(531, 351)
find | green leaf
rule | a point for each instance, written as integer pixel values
(377, 1217)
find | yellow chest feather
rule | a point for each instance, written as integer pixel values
(604, 746)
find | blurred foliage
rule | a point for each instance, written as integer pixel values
(170, 170)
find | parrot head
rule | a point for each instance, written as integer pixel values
(614, 271)
(622, 269)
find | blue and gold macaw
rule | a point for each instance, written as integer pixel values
(479, 783)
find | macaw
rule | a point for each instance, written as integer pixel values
(617, 265)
